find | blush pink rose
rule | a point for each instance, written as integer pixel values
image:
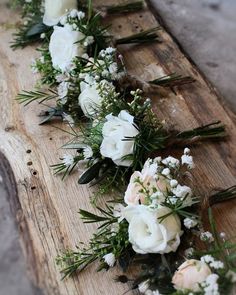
(190, 274)
(135, 194)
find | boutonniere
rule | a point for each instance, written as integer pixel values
(122, 135)
(157, 226)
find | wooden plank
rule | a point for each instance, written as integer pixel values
(45, 207)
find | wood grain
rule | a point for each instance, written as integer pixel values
(45, 207)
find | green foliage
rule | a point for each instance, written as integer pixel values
(26, 97)
(125, 7)
(44, 66)
(152, 137)
(64, 169)
(106, 240)
(32, 27)
(179, 208)
(27, 8)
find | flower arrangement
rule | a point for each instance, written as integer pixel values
(155, 219)
(40, 16)
(157, 215)
(91, 87)
(74, 51)
(122, 135)
(77, 51)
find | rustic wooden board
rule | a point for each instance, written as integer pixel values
(45, 207)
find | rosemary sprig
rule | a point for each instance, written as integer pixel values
(26, 97)
(104, 241)
(180, 209)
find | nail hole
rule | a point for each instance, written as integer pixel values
(29, 163)
(140, 16)
(120, 26)
(50, 138)
(33, 188)
(28, 151)
(136, 27)
(35, 173)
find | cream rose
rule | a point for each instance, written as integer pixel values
(115, 132)
(90, 98)
(190, 274)
(55, 9)
(148, 234)
(146, 178)
(63, 46)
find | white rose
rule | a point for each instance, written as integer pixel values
(115, 131)
(63, 47)
(148, 234)
(62, 91)
(190, 275)
(55, 9)
(89, 98)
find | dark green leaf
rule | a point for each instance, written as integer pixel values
(36, 30)
(91, 173)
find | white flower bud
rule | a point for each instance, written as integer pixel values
(110, 259)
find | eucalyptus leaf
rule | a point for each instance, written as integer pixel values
(49, 115)
(74, 146)
(90, 173)
(124, 261)
(36, 30)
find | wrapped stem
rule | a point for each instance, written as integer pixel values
(172, 80)
(212, 130)
(222, 196)
(146, 36)
(125, 7)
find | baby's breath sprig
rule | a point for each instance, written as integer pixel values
(67, 165)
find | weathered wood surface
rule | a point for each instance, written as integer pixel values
(45, 207)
